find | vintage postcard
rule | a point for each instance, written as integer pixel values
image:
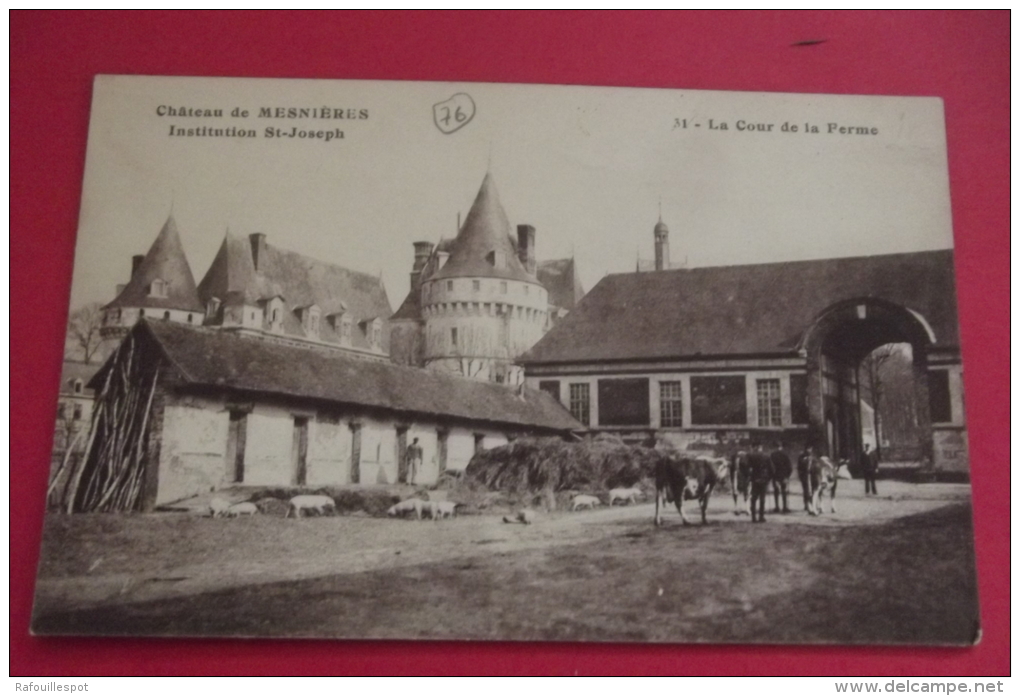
(510, 362)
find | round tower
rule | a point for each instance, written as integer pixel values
(484, 306)
(161, 287)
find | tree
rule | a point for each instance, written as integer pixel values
(873, 370)
(84, 340)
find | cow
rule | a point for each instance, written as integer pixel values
(685, 479)
(782, 470)
(740, 482)
(821, 477)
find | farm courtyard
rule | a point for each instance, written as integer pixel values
(898, 568)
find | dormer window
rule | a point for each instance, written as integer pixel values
(158, 288)
(78, 385)
(345, 330)
(373, 332)
(212, 307)
(497, 258)
(310, 320)
(274, 312)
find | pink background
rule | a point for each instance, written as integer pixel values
(961, 57)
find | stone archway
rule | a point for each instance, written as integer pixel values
(835, 344)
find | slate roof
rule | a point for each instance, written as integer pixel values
(485, 229)
(73, 370)
(301, 281)
(559, 277)
(211, 358)
(750, 310)
(166, 261)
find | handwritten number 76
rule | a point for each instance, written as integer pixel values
(458, 115)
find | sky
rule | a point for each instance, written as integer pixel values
(589, 167)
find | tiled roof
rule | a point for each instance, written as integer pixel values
(211, 358)
(752, 309)
(301, 281)
(164, 261)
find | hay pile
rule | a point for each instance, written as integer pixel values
(529, 465)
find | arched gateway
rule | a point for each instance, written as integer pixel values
(834, 346)
(722, 357)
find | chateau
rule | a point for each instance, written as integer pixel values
(481, 299)
(255, 289)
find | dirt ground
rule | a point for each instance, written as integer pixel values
(894, 568)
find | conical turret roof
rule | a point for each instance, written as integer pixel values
(485, 231)
(165, 261)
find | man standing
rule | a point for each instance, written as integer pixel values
(761, 475)
(414, 455)
(869, 468)
(803, 467)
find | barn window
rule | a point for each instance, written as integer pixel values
(623, 401)
(769, 404)
(453, 337)
(502, 286)
(718, 400)
(449, 286)
(798, 400)
(61, 411)
(938, 397)
(77, 412)
(580, 402)
(671, 412)
(476, 285)
(166, 315)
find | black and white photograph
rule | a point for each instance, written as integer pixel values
(444, 361)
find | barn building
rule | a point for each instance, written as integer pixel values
(711, 357)
(182, 410)
(481, 299)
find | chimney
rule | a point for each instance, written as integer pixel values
(136, 261)
(258, 249)
(526, 247)
(422, 252)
